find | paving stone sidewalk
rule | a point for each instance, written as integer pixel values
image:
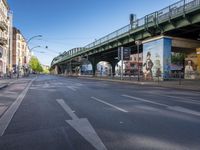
(5, 82)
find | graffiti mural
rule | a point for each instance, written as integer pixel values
(157, 59)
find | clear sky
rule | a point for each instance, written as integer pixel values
(66, 24)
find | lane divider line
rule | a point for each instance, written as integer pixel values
(111, 105)
(174, 108)
(144, 100)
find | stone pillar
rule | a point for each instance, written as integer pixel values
(113, 65)
(94, 69)
(56, 70)
(94, 62)
(157, 58)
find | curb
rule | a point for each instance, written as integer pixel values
(3, 86)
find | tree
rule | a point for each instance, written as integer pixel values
(35, 64)
(45, 71)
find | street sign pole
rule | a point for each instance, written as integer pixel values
(122, 62)
(138, 43)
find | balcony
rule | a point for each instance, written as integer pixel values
(3, 41)
(3, 25)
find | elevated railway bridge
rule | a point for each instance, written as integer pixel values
(174, 29)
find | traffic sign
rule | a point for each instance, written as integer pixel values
(126, 53)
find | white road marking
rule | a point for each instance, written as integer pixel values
(184, 99)
(71, 88)
(46, 85)
(8, 115)
(144, 100)
(78, 84)
(67, 109)
(174, 98)
(83, 127)
(184, 110)
(174, 108)
(111, 105)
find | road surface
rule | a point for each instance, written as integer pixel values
(57, 113)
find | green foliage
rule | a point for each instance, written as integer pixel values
(178, 58)
(35, 64)
(45, 71)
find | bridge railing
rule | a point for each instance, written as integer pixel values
(174, 10)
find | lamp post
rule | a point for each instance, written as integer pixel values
(138, 43)
(36, 36)
(35, 47)
(33, 37)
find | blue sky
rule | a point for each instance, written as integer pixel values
(66, 24)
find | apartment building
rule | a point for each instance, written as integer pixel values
(20, 53)
(4, 37)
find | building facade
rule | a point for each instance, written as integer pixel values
(5, 23)
(20, 53)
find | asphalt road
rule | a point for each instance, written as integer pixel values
(56, 113)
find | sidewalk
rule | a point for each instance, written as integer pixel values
(6, 82)
(193, 85)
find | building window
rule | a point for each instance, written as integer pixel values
(18, 37)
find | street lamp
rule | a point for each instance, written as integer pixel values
(138, 43)
(35, 47)
(36, 36)
(37, 51)
(27, 44)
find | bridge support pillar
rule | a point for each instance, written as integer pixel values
(94, 62)
(62, 69)
(157, 58)
(113, 65)
(56, 70)
(94, 69)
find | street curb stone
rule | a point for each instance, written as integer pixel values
(3, 86)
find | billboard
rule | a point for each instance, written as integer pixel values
(198, 60)
(191, 65)
(157, 58)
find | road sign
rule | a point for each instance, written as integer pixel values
(126, 53)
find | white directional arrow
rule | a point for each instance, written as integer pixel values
(83, 127)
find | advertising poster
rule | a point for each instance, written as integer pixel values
(198, 60)
(191, 65)
(157, 59)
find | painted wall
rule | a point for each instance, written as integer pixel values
(157, 58)
(198, 60)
